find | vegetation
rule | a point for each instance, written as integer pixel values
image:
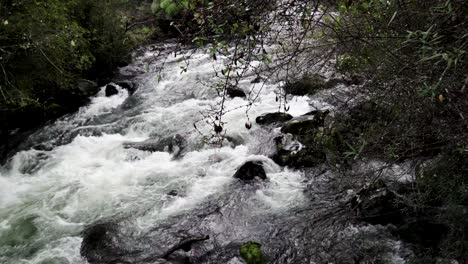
(47, 46)
(251, 252)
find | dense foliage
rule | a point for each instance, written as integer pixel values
(46, 46)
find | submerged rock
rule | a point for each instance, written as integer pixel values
(250, 170)
(273, 118)
(111, 90)
(175, 145)
(235, 92)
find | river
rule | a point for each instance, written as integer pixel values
(77, 172)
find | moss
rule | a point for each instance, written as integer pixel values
(251, 252)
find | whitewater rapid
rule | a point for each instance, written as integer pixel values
(77, 171)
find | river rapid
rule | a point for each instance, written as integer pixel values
(76, 174)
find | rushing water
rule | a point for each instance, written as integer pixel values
(76, 171)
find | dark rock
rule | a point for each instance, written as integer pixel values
(250, 170)
(273, 118)
(306, 124)
(300, 159)
(173, 193)
(258, 79)
(111, 90)
(378, 204)
(354, 80)
(292, 153)
(422, 231)
(101, 243)
(175, 145)
(128, 85)
(87, 87)
(309, 84)
(185, 245)
(235, 92)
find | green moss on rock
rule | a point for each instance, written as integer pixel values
(252, 253)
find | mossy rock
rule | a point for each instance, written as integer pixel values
(252, 253)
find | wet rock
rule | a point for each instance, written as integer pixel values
(250, 170)
(185, 245)
(87, 87)
(305, 124)
(309, 84)
(299, 159)
(354, 80)
(273, 118)
(128, 85)
(175, 145)
(258, 79)
(173, 193)
(101, 243)
(292, 153)
(111, 90)
(378, 204)
(235, 92)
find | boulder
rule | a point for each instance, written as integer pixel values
(175, 144)
(87, 87)
(308, 84)
(128, 85)
(273, 118)
(101, 243)
(249, 170)
(111, 90)
(292, 153)
(185, 244)
(300, 159)
(376, 203)
(235, 92)
(305, 124)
